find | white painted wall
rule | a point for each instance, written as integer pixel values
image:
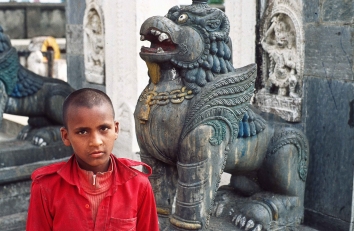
(242, 16)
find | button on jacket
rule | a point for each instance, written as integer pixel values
(58, 202)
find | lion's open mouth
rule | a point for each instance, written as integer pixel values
(160, 42)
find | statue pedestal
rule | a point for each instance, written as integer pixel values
(18, 159)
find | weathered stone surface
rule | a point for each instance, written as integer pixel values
(27, 20)
(329, 52)
(14, 197)
(74, 40)
(45, 22)
(75, 10)
(13, 222)
(329, 183)
(76, 70)
(311, 10)
(10, 21)
(337, 10)
(18, 159)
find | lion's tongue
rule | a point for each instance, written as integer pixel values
(148, 50)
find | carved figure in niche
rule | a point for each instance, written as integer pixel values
(25, 93)
(194, 121)
(95, 47)
(279, 43)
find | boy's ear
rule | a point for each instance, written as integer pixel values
(116, 128)
(64, 136)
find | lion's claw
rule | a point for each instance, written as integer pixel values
(39, 141)
(243, 222)
(249, 225)
(218, 209)
(258, 228)
(238, 219)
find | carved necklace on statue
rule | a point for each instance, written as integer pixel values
(161, 98)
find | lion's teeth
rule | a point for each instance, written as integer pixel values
(160, 50)
(155, 32)
(142, 38)
(162, 37)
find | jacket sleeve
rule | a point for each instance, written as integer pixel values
(39, 218)
(147, 215)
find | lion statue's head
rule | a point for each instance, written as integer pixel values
(193, 39)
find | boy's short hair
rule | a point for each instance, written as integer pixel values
(85, 97)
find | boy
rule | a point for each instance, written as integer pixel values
(94, 190)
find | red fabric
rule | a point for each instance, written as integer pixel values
(95, 190)
(58, 202)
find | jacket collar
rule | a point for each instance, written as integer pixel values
(121, 174)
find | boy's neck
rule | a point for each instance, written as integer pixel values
(95, 170)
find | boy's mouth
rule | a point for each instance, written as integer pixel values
(97, 154)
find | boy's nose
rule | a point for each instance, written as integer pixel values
(95, 140)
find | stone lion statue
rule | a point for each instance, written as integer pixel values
(194, 121)
(25, 93)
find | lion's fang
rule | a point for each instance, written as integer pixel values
(162, 37)
(142, 38)
(160, 50)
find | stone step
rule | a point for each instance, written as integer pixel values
(18, 152)
(15, 184)
(13, 222)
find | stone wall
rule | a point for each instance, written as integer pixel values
(27, 20)
(327, 109)
(329, 91)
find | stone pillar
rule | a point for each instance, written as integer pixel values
(242, 16)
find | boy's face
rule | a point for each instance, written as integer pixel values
(91, 133)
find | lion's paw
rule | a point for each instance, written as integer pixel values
(40, 136)
(248, 225)
(253, 216)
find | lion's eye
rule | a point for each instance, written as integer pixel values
(183, 18)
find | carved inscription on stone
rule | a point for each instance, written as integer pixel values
(282, 43)
(94, 44)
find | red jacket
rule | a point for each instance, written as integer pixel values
(58, 203)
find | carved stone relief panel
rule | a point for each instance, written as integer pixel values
(283, 56)
(94, 40)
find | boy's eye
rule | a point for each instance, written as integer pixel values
(82, 132)
(104, 128)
